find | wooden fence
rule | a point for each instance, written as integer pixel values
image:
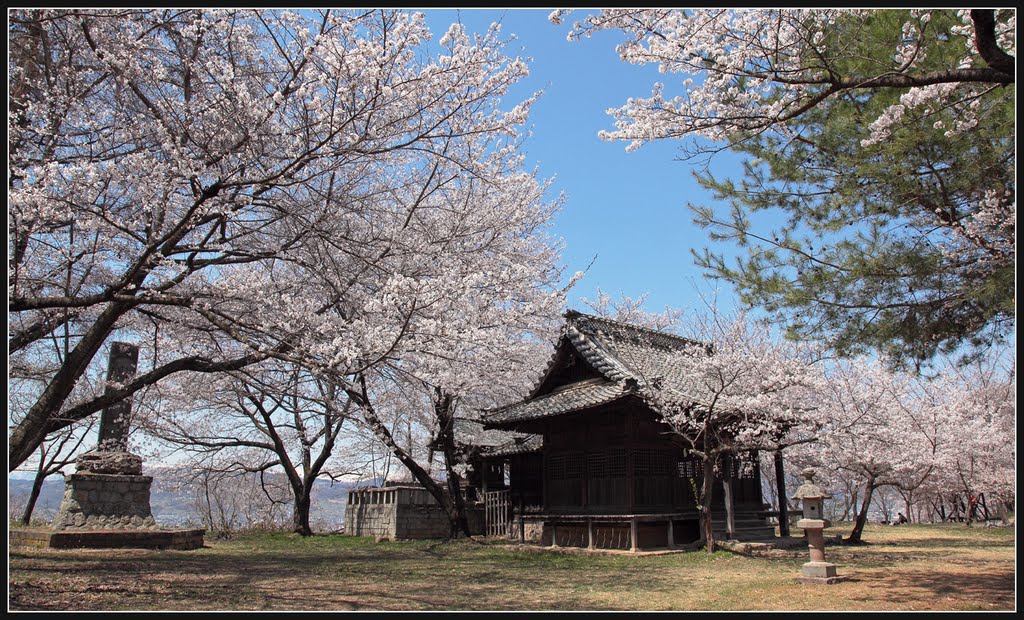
(497, 512)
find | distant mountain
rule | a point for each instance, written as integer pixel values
(173, 507)
(18, 490)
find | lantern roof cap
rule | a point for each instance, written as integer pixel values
(809, 490)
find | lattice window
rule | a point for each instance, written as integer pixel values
(642, 462)
(556, 467)
(607, 464)
(652, 462)
(567, 466)
(575, 465)
(666, 462)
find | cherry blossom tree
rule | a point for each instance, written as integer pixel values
(227, 186)
(923, 407)
(877, 203)
(738, 389)
(500, 338)
(223, 499)
(924, 439)
(762, 68)
(875, 431)
(979, 408)
(268, 418)
(631, 310)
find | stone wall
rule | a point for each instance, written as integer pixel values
(421, 521)
(370, 520)
(105, 502)
(533, 531)
(395, 512)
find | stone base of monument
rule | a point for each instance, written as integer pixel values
(105, 502)
(107, 539)
(820, 572)
(105, 505)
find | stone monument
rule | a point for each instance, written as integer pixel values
(107, 490)
(814, 523)
(106, 500)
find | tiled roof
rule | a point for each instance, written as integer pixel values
(573, 397)
(631, 359)
(492, 442)
(521, 445)
(620, 351)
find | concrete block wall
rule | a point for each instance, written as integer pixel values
(421, 521)
(395, 513)
(370, 520)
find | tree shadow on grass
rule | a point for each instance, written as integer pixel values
(993, 589)
(946, 543)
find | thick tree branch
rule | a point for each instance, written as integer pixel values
(985, 40)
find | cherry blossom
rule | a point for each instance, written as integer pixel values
(227, 186)
(736, 389)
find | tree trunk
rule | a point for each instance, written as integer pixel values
(780, 483)
(730, 518)
(459, 522)
(28, 434)
(445, 411)
(300, 514)
(33, 497)
(862, 517)
(706, 495)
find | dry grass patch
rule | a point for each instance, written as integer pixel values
(906, 567)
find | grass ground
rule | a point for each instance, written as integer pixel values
(915, 567)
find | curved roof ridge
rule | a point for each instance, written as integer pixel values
(598, 355)
(577, 396)
(573, 316)
(532, 392)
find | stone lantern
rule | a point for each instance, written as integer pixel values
(812, 500)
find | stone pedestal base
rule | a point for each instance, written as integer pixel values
(100, 462)
(105, 502)
(822, 580)
(106, 505)
(107, 539)
(820, 572)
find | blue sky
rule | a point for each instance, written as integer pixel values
(626, 209)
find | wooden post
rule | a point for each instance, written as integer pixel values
(522, 525)
(484, 467)
(730, 517)
(632, 535)
(590, 533)
(554, 534)
(780, 485)
(630, 483)
(671, 535)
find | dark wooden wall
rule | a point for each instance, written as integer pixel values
(526, 481)
(620, 459)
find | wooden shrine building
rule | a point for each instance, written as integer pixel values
(609, 473)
